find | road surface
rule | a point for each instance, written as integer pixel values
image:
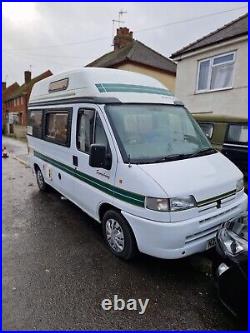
(57, 270)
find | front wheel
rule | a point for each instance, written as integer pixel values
(118, 235)
(40, 181)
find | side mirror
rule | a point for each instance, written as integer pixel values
(98, 156)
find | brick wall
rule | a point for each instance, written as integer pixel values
(6, 93)
(18, 105)
(17, 102)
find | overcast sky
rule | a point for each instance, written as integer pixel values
(61, 36)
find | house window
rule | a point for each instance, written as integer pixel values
(216, 73)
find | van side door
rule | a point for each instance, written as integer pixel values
(93, 186)
(50, 140)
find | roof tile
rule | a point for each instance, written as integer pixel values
(231, 30)
(135, 52)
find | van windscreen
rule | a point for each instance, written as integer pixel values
(148, 133)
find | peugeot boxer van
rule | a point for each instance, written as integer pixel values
(121, 147)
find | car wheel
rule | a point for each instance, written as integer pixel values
(118, 235)
(40, 181)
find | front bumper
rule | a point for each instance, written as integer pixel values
(172, 240)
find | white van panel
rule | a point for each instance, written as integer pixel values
(210, 179)
(126, 86)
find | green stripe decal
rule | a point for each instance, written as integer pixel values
(130, 197)
(112, 87)
(214, 199)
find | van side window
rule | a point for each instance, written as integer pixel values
(100, 135)
(207, 128)
(237, 133)
(85, 129)
(57, 127)
(35, 123)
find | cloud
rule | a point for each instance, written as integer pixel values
(57, 35)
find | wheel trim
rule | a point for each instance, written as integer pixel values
(115, 235)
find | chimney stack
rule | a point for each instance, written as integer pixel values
(3, 86)
(27, 76)
(123, 37)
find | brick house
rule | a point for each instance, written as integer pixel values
(132, 55)
(16, 104)
(6, 93)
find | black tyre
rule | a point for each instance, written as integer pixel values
(40, 180)
(118, 235)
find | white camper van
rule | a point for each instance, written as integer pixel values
(122, 148)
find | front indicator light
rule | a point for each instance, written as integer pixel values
(239, 185)
(182, 203)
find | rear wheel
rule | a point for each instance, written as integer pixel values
(40, 180)
(118, 235)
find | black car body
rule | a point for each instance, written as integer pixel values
(229, 135)
(231, 267)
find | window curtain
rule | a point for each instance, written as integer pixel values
(221, 76)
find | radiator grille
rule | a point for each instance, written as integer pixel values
(212, 230)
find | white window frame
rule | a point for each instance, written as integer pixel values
(211, 59)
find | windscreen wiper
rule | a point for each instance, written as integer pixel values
(203, 152)
(176, 157)
(169, 158)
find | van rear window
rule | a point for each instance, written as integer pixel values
(237, 133)
(35, 123)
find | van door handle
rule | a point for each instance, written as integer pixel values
(75, 160)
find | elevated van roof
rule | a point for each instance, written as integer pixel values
(99, 85)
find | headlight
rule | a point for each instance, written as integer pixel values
(239, 185)
(172, 204)
(157, 204)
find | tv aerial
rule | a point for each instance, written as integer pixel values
(119, 21)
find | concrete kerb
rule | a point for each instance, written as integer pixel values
(20, 160)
